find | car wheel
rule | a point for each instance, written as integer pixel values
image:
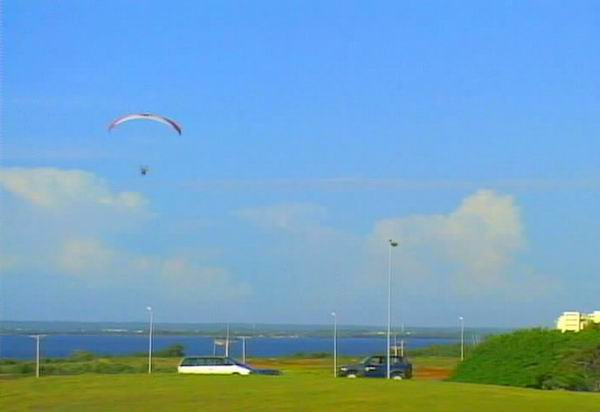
(398, 377)
(351, 375)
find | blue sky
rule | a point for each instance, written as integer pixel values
(313, 131)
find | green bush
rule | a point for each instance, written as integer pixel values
(109, 367)
(8, 362)
(173, 351)
(81, 356)
(536, 358)
(438, 350)
(26, 368)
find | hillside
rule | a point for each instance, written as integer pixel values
(536, 358)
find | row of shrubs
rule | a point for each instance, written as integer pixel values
(451, 351)
(70, 368)
(87, 362)
(536, 358)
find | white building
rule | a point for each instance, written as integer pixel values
(576, 321)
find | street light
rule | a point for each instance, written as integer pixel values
(149, 309)
(462, 337)
(334, 344)
(393, 244)
(403, 343)
(227, 341)
(402, 334)
(244, 348)
(37, 353)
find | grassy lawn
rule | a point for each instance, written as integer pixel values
(305, 386)
(301, 392)
(133, 364)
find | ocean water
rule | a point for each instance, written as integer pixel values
(23, 347)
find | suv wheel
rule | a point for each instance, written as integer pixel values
(397, 376)
(351, 375)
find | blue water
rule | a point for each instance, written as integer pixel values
(23, 347)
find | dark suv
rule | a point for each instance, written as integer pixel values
(376, 367)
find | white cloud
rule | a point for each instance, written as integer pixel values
(180, 277)
(55, 188)
(475, 247)
(87, 257)
(85, 233)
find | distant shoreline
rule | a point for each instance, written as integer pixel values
(219, 330)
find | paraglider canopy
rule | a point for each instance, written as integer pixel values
(146, 116)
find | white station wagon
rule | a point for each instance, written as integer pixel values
(213, 365)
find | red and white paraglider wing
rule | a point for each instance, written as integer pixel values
(146, 116)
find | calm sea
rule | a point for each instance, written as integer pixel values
(23, 347)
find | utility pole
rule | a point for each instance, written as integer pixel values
(462, 338)
(227, 341)
(389, 320)
(149, 309)
(334, 344)
(402, 340)
(37, 354)
(243, 349)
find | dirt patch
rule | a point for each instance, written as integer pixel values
(433, 373)
(295, 363)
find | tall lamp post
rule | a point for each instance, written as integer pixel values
(393, 244)
(403, 343)
(334, 344)
(149, 309)
(244, 349)
(402, 340)
(227, 341)
(462, 337)
(37, 354)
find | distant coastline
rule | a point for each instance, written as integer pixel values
(218, 330)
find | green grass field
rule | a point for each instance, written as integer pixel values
(291, 392)
(305, 386)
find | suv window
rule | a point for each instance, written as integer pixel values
(375, 360)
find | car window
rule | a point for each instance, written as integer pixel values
(218, 361)
(190, 361)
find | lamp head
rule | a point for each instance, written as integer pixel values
(149, 308)
(393, 243)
